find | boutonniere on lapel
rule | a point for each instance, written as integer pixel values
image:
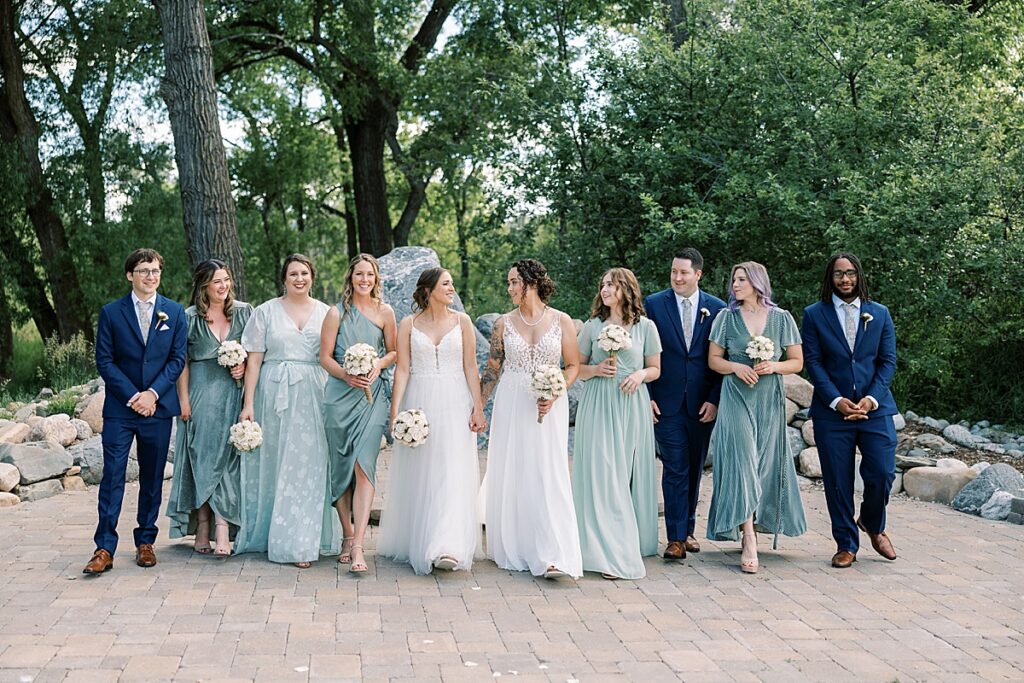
(703, 314)
(161, 318)
(866, 317)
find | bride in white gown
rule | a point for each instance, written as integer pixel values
(530, 517)
(430, 520)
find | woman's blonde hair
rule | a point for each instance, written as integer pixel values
(348, 290)
(632, 299)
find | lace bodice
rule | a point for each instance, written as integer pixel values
(523, 357)
(443, 359)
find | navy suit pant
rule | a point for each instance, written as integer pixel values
(837, 441)
(683, 446)
(152, 435)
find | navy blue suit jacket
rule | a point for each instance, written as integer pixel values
(836, 371)
(128, 366)
(686, 381)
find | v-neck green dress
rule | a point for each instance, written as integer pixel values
(753, 469)
(206, 466)
(354, 426)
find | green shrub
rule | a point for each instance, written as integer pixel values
(62, 404)
(67, 364)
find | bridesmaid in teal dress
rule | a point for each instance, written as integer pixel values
(755, 485)
(614, 485)
(355, 426)
(285, 511)
(206, 491)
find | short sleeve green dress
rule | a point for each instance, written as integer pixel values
(206, 466)
(614, 485)
(354, 426)
(753, 469)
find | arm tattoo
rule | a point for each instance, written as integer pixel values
(495, 359)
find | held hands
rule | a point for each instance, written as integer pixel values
(143, 403)
(853, 411)
(745, 373)
(633, 382)
(186, 409)
(766, 367)
(238, 371)
(477, 421)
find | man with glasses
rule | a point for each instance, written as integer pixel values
(140, 351)
(850, 355)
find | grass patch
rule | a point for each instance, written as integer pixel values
(64, 404)
(23, 383)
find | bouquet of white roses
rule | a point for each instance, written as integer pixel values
(760, 349)
(359, 360)
(546, 384)
(231, 354)
(613, 338)
(246, 436)
(411, 428)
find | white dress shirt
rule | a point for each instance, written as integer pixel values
(152, 312)
(837, 304)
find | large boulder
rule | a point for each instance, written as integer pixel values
(55, 428)
(791, 410)
(961, 436)
(15, 432)
(807, 431)
(934, 442)
(74, 483)
(936, 485)
(399, 270)
(89, 456)
(25, 412)
(82, 429)
(914, 458)
(8, 499)
(798, 390)
(899, 422)
(998, 506)
(90, 409)
(36, 461)
(810, 463)
(795, 440)
(485, 323)
(997, 477)
(9, 477)
(38, 491)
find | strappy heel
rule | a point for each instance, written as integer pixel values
(222, 549)
(357, 567)
(748, 566)
(346, 555)
(202, 542)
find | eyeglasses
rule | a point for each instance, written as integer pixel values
(146, 272)
(840, 274)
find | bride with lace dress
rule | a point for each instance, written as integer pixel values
(431, 517)
(529, 511)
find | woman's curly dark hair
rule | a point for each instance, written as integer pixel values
(424, 286)
(533, 274)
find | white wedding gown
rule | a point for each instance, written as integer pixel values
(531, 520)
(431, 496)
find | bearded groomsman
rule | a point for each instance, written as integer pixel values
(140, 351)
(850, 355)
(685, 397)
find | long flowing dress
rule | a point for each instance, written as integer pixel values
(531, 521)
(206, 466)
(354, 426)
(753, 470)
(285, 511)
(614, 483)
(431, 499)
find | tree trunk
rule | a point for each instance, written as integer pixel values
(22, 271)
(19, 126)
(675, 21)
(189, 91)
(6, 334)
(366, 138)
(461, 204)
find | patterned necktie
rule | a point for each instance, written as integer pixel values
(851, 324)
(687, 322)
(144, 319)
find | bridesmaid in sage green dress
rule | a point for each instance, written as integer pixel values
(354, 425)
(615, 489)
(755, 485)
(285, 511)
(206, 491)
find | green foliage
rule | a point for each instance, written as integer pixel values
(67, 364)
(62, 404)
(23, 383)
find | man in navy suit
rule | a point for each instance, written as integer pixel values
(850, 355)
(685, 397)
(140, 351)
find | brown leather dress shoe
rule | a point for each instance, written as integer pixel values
(144, 555)
(843, 559)
(691, 545)
(101, 562)
(880, 542)
(676, 550)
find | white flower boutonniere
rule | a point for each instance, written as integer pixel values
(704, 313)
(866, 317)
(161, 316)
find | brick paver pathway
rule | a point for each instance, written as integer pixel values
(950, 609)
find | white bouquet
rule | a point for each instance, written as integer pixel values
(613, 338)
(246, 436)
(359, 360)
(546, 384)
(411, 428)
(760, 349)
(231, 354)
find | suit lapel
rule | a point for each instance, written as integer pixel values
(130, 318)
(861, 326)
(701, 320)
(672, 310)
(832, 320)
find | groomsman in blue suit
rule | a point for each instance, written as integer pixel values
(140, 351)
(850, 355)
(685, 397)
